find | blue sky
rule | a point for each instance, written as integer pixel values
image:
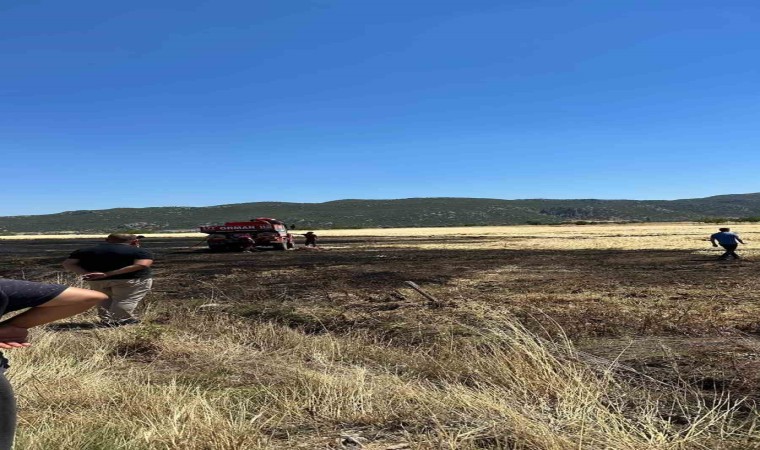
(194, 103)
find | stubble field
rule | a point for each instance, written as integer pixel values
(538, 337)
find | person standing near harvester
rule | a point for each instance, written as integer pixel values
(118, 268)
(728, 240)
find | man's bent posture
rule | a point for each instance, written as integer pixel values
(727, 240)
(120, 269)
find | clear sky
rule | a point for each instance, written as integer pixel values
(194, 103)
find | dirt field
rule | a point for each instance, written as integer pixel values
(653, 297)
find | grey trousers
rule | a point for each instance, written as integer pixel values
(123, 297)
(7, 412)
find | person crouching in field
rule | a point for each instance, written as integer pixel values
(46, 303)
(727, 240)
(119, 268)
(311, 239)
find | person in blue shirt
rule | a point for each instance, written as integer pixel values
(728, 240)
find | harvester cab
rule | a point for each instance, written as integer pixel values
(241, 236)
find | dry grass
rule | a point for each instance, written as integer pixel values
(668, 236)
(216, 382)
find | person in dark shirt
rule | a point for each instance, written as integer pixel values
(311, 239)
(120, 269)
(46, 303)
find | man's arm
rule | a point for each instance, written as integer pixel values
(139, 264)
(13, 332)
(739, 239)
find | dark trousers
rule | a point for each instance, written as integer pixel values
(7, 412)
(729, 251)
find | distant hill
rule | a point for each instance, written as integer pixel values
(412, 212)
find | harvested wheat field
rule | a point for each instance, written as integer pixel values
(535, 337)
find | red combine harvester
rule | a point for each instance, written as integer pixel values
(241, 236)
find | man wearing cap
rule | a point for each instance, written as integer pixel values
(118, 268)
(728, 240)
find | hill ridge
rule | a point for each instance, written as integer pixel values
(406, 212)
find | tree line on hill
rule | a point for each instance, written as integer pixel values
(412, 212)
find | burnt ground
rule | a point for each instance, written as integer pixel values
(676, 316)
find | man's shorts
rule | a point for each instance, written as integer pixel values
(26, 294)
